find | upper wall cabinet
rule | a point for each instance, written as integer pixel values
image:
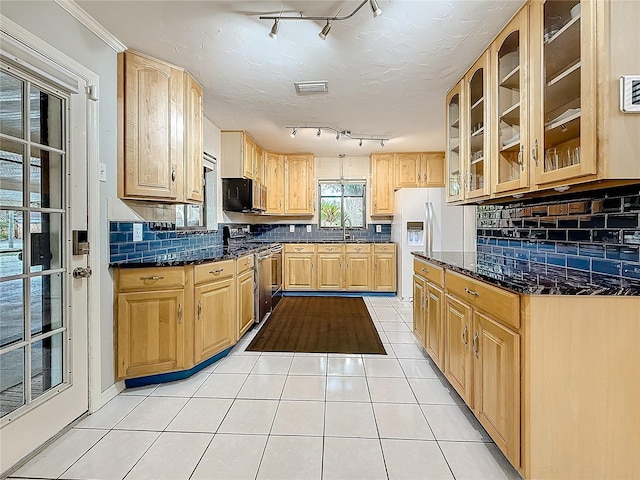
(159, 129)
(554, 99)
(477, 103)
(274, 180)
(509, 117)
(382, 166)
(299, 184)
(455, 148)
(241, 157)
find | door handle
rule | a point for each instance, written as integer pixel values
(471, 292)
(180, 314)
(199, 309)
(80, 272)
(534, 152)
(464, 337)
(152, 277)
(475, 344)
(216, 272)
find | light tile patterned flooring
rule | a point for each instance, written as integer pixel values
(287, 416)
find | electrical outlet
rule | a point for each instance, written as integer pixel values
(292, 228)
(308, 228)
(378, 228)
(137, 232)
(102, 175)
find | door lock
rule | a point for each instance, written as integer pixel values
(80, 272)
(80, 242)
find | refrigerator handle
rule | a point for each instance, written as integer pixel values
(428, 244)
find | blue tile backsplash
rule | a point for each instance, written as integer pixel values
(596, 234)
(160, 240)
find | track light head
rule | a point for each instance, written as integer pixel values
(382, 143)
(325, 31)
(274, 30)
(338, 136)
(319, 132)
(293, 132)
(375, 8)
(360, 142)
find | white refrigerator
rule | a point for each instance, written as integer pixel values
(422, 220)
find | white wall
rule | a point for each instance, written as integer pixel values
(54, 25)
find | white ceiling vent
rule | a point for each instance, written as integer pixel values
(312, 88)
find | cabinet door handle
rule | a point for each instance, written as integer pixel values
(475, 344)
(534, 152)
(464, 337)
(471, 292)
(358, 249)
(173, 174)
(216, 272)
(311, 265)
(247, 263)
(330, 249)
(152, 277)
(297, 249)
(425, 270)
(179, 314)
(199, 309)
(520, 157)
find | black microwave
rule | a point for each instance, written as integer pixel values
(243, 195)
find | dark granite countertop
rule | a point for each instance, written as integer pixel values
(525, 277)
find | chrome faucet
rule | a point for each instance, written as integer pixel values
(345, 235)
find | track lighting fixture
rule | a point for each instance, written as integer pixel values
(375, 9)
(274, 29)
(325, 31)
(339, 133)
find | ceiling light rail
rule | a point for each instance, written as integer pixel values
(375, 9)
(339, 133)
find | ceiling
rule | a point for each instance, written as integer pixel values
(387, 76)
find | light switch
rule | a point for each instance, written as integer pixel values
(137, 232)
(292, 228)
(378, 228)
(308, 228)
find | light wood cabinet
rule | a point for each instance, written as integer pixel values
(299, 267)
(408, 170)
(274, 181)
(330, 267)
(434, 324)
(299, 184)
(150, 115)
(477, 105)
(215, 323)
(193, 141)
(496, 372)
(384, 267)
(432, 169)
(456, 149)
(419, 295)
(509, 127)
(382, 184)
(258, 164)
(457, 356)
(246, 304)
(152, 335)
(241, 156)
(160, 131)
(358, 271)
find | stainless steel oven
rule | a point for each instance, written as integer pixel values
(276, 275)
(268, 281)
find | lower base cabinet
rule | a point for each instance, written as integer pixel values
(434, 324)
(246, 304)
(457, 360)
(419, 293)
(215, 326)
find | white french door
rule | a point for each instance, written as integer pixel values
(43, 308)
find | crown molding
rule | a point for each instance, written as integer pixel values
(92, 24)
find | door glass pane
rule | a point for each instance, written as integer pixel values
(11, 105)
(46, 235)
(454, 145)
(11, 381)
(11, 249)
(330, 212)
(45, 179)
(12, 308)
(476, 137)
(45, 118)
(46, 364)
(46, 303)
(11, 173)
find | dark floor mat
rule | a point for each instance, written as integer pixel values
(319, 325)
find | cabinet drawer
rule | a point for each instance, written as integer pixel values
(150, 278)
(431, 272)
(300, 248)
(208, 272)
(357, 248)
(495, 302)
(330, 248)
(384, 247)
(244, 263)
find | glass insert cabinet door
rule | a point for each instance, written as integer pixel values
(477, 107)
(455, 125)
(563, 89)
(509, 63)
(33, 331)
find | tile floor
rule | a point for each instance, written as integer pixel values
(287, 416)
